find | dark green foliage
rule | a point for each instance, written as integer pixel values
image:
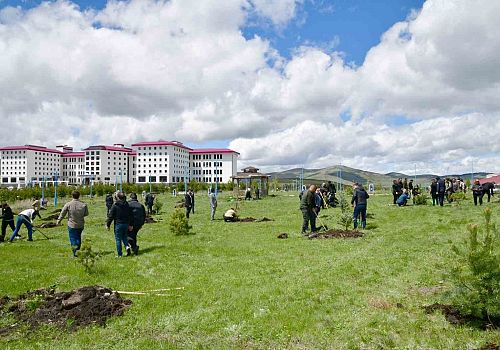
(179, 224)
(157, 206)
(420, 199)
(88, 257)
(476, 272)
(345, 218)
(458, 197)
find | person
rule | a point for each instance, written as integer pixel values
(332, 190)
(359, 201)
(307, 204)
(488, 189)
(257, 193)
(191, 193)
(230, 215)
(248, 194)
(318, 201)
(76, 211)
(7, 220)
(121, 215)
(25, 217)
(109, 202)
(396, 191)
(213, 203)
(36, 204)
(433, 191)
(150, 199)
(477, 192)
(410, 188)
(139, 217)
(440, 190)
(188, 203)
(405, 184)
(403, 199)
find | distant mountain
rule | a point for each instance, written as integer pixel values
(347, 175)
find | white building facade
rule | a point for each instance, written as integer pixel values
(145, 162)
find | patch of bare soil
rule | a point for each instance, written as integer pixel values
(454, 317)
(251, 219)
(47, 225)
(150, 220)
(51, 217)
(335, 234)
(283, 235)
(57, 211)
(67, 310)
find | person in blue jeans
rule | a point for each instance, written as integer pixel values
(76, 211)
(25, 218)
(359, 200)
(121, 214)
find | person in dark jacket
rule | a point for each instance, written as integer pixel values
(488, 189)
(7, 220)
(440, 190)
(188, 203)
(434, 192)
(139, 217)
(396, 190)
(149, 201)
(109, 202)
(121, 215)
(477, 192)
(191, 193)
(359, 200)
(318, 201)
(307, 204)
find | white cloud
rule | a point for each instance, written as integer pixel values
(182, 69)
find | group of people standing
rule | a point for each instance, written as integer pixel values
(403, 190)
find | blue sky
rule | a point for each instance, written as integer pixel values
(349, 26)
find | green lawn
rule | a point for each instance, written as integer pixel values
(244, 288)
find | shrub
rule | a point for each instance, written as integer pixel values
(179, 224)
(476, 273)
(157, 206)
(420, 199)
(458, 197)
(87, 257)
(345, 219)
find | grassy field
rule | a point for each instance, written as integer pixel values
(244, 288)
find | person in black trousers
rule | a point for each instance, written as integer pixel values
(434, 192)
(7, 220)
(441, 190)
(477, 192)
(139, 217)
(188, 202)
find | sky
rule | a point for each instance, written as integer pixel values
(382, 85)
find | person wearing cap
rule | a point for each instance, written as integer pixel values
(477, 192)
(121, 215)
(139, 217)
(76, 211)
(25, 218)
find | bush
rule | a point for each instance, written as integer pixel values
(476, 272)
(420, 199)
(179, 224)
(157, 206)
(457, 197)
(87, 257)
(345, 219)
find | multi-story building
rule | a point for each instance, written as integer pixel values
(107, 164)
(213, 164)
(161, 162)
(145, 162)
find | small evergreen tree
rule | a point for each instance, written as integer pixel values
(345, 218)
(179, 224)
(476, 273)
(87, 257)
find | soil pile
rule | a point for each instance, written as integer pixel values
(490, 346)
(51, 217)
(251, 219)
(283, 235)
(335, 234)
(47, 225)
(454, 317)
(68, 310)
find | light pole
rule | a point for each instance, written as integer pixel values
(55, 189)
(43, 189)
(90, 182)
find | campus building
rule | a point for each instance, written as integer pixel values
(142, 163)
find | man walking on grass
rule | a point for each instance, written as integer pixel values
(76, 211)
(121, 215)
(213, 203)
(307, 205)
(139, 217)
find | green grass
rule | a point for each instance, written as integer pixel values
(244, 288)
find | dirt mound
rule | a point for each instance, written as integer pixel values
(251, 219)
(150, 220)
(68, 310)
(490, 346)
(335, 234)
(51, 217)
(57, 211)
(47, 225)
(283, 236)
(454, 317)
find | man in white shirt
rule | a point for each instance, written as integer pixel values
(25, 217)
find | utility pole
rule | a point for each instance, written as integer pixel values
(55, 189)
